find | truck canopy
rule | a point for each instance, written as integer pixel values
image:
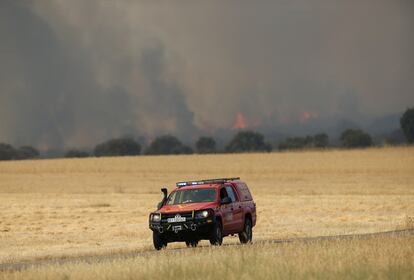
(244, 192)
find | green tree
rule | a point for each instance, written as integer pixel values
(205, 145)
(248, 141)
(407, 124)
(355, 138)
(317, 141)
(293, 143)
(118, 147)
(167, 145)
(321, 140)
(76, 154)
(7, 152)
(27, 152)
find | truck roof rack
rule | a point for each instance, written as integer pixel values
(206, 181)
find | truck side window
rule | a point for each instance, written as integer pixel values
(223, 193)
(231, 194)
(171, 198)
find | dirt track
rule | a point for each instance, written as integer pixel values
(99, 258)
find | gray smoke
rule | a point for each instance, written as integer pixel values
(74, 73)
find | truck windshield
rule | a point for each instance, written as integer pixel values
(192, 196)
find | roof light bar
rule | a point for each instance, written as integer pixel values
(206, 181)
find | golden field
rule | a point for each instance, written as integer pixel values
(374, 258)
(72, 207)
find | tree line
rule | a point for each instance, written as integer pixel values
(243, 141)
(8, 152)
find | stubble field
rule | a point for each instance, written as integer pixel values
(76, 207)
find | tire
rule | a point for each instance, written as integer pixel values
(158, 241)
(216, 238)
(246, 235)
(192, 243)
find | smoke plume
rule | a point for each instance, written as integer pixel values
(74, 73)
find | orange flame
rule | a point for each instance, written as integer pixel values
(241, 122)
(307, 116)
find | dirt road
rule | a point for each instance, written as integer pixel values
(100, 258)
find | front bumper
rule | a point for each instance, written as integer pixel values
(194, 229)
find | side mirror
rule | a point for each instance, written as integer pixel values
(165, 192)
(226, 200)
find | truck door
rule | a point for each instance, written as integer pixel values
(226, 212)
(236, 208)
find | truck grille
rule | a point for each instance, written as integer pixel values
(187, 215)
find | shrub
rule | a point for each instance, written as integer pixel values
(321, 140)
(407, 124)
(166, 145)
(248, 141)
(7, 152)
(205, 145)
(27, 152)
(355, 138)
(118, 147)
(317, 141)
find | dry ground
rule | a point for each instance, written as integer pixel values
(64, 207)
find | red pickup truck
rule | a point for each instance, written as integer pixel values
(205, 209)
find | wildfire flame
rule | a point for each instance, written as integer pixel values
(241, 122)
(307, 116)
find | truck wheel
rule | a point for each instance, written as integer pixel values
(246, 235)
(158, 241)
(192, 243)
(217, 234)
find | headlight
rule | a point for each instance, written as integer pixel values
(202, 214)
(155, 217)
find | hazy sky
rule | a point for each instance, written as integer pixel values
(74, 73)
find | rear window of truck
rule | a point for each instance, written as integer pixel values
(244, 192)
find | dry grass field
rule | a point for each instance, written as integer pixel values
(71, 207)
(374, 258)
